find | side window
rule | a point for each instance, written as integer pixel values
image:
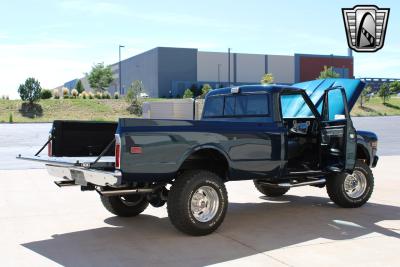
(214, 106)
(336, 106)
(251, 105)
(294, 106)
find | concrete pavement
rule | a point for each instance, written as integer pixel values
(43, 225)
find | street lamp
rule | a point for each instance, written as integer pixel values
(119, 70)
(219, 72)
(229, 67)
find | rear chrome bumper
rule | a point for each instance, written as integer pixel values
(83, 176)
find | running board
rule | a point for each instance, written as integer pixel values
(289, 185)
(305, 173)
(65, 183)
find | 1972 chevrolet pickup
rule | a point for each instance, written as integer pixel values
(278, 136)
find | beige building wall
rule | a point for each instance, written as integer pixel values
(207, 66)
(249, 68)
(282, 67)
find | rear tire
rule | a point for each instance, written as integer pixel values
(125, 206)
(351, 190)
(197, 202)
(270, 191)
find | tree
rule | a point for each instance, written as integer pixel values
(79, 87)
(100, 77)
(395, 87)
(205, 89)
(132, 96)
(188, 93)
(30, 90)
(328, 73)
(384, 92)
(364, 97)
(134, 91)
(267, 78)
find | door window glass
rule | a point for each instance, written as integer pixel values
(336, 105)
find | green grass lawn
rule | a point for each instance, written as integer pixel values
(66, 109)
(112, 109)
(375, 107)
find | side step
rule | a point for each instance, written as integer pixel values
(65, 183)
(289, 185)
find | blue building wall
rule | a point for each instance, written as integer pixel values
(175, 64)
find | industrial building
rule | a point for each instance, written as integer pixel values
(168, 71)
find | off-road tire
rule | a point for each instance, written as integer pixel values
(133, 205)
(270, 191)
(179, 202)
(337, 193)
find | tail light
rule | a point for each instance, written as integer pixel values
(50, 147)
(117, 151)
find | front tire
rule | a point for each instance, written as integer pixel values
(351, 190)
(270, 191)
(197, 202)
(125, 206)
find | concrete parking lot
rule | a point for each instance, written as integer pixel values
(43, 225)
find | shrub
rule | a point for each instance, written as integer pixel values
(188, 93)
(65, 91)
(46, 94)
(56, 94)
(74, 93)
(135, 108)
(90, 95)
(10, 118)
(205, 89)
(116, 95)
(30, 90)
(106, 95)
(98, 95)
(84, 95)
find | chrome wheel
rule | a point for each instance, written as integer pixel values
(204, 203)
(355, 184)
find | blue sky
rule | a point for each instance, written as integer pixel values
(58, 40)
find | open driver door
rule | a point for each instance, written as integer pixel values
(338, 136)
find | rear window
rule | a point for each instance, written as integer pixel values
(214, 107)
(248, 105)
(251, 105)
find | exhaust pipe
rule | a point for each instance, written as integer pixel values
(110, 193)
(289, 185)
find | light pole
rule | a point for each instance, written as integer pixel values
(219, 72)
(119, 70)
(229, 67)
